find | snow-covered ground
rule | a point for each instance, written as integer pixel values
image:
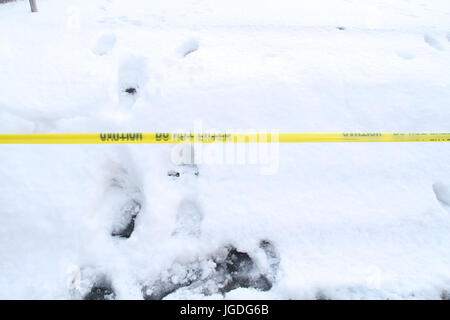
(326, 220)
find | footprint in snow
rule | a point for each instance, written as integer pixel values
(442, 192)
(133, 77)
(127, 209)
(89, 283)
(189, 215)
(100, 290)
(445, 294)
(188, 47)
(105, 44)
(124, 224)
(122, 202)
(320, 295)
(433, 42)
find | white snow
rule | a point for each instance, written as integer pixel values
(356, 221)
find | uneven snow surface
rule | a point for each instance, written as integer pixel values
(334, 221)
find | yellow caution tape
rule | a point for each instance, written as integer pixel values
(165, 137)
